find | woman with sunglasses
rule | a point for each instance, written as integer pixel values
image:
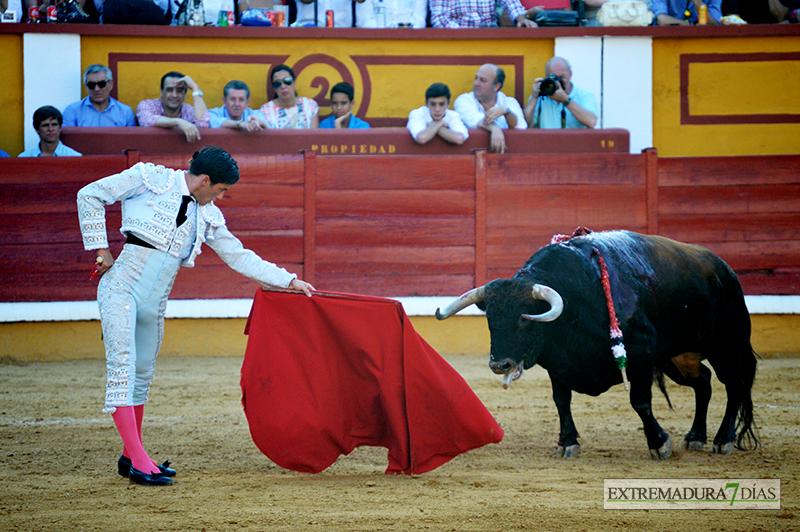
(288, 110)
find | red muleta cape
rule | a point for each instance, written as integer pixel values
(325, 374)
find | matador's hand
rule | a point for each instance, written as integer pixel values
(301, 286)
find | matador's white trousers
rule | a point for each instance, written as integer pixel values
(132, 296)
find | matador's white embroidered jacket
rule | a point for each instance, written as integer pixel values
(151, 196)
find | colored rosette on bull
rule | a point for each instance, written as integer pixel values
(617, 347)
(621, 358)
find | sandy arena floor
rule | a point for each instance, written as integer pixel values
(58, 454)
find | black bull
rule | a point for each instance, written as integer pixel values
(677, 304)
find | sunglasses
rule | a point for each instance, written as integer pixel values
(92, 84)
(285, 81)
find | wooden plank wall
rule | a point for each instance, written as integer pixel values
(745, 209)
(532, 197)
(41, 251)
(401, 225)
(418, 225)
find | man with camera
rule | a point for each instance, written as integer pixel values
(557, 103)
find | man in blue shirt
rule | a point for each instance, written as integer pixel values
(98, 109)
(342, 103)
(47, 122)
(235, 112)
(684, 12)
(562, 106)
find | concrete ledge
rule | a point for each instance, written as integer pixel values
(189, 308)
(774, 335)
(240, 308)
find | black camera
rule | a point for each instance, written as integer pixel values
(548, 85)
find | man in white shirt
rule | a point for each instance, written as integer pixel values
(488, 108)
(434, 119)
(391, 13)
(342, 12)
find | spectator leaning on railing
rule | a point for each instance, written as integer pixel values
(488, 108)
(434, 119)
(235, 112)
(170, 111)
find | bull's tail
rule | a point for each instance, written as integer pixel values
(659, 377)
(746, 429)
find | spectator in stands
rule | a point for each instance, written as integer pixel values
(47, 122)
(592, 8)
(407, 13)
(98, 109)
(170, 111)
(288, 110)
(684, 12)
(475, 13)
(146, 12)
(342, 103)
(235, 112)
(762, 11)
(488, 108)
(13, 5)
(83, 11)
(435, 119)
(568, 107)
(309, 15)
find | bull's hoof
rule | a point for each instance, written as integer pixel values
(570, 451)
(663, 452)
(693, 445)
(725, 448)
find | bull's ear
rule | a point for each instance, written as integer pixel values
(481, 305)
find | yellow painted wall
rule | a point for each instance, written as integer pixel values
(11, 97)
(396, 89)
(773, 336)
(739, 85)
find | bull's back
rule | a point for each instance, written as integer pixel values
(690, 295)
(700, 303)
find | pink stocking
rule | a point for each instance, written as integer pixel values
(125, 419)
(138, 411)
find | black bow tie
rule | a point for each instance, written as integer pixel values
(182, 211)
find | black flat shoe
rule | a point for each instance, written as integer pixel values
(145, 479)
(124, 467)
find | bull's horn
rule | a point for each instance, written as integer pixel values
(545, 293)
(473, 296)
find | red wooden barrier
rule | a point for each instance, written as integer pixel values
(41, 252)
(418, 225)
(376, 141)
(746, 209)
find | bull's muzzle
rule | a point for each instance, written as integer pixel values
(504, 366)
